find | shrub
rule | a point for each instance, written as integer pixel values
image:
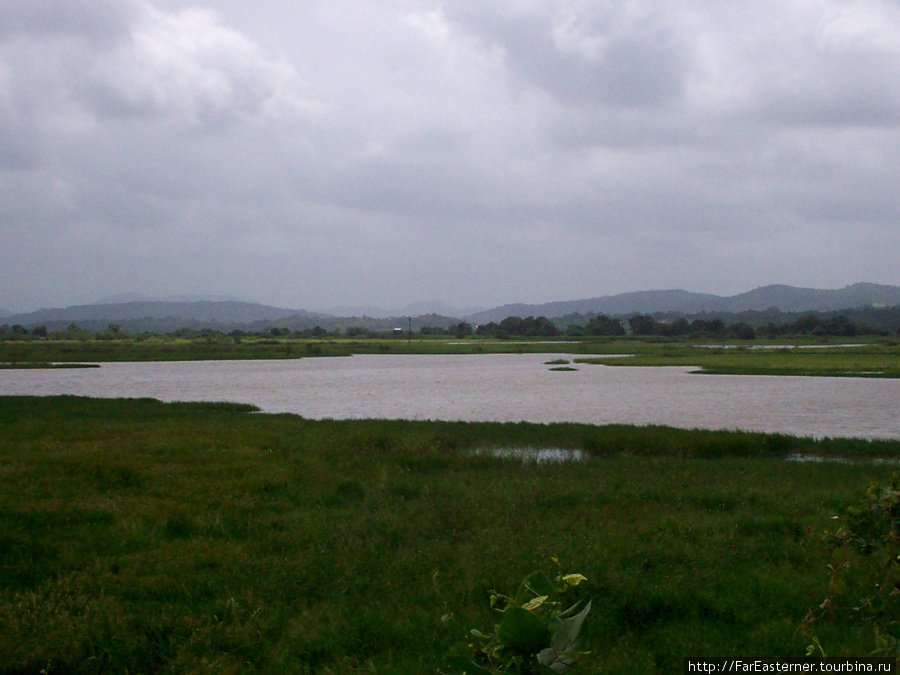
(536, 634)
(864, 588)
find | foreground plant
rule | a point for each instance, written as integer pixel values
(536, 634)
(864, 588)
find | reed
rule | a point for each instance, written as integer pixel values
(143, 537)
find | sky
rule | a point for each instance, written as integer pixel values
(311, 154)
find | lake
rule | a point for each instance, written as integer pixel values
(496, 387)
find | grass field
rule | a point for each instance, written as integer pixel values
(143, 537)
(870, 359)
(168, 348)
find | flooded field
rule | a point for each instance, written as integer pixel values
(496, 387)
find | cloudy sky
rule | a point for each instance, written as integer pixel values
(314, 153)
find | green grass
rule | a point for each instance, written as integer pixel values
(835, 360)
(163, 348)
(143, 537)
(169, 348)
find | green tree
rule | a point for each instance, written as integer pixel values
(605, 325)
(643, 324)
(840, 325)
(771, 329)
(539, 326)
(741, 331)
(807, 324)
(512, 325)
(711, 327)
(679, 327)
(488, 329)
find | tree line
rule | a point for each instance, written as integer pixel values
(808, 324)
(575, 326)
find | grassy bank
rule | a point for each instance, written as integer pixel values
(146, 537)
(168, 348)
(162, 348)
(873, 359)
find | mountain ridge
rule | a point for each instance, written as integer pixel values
(784, 297)
(171, 315)
(413, 309)
(228, 311)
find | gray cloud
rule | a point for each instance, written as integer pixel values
(94, 20)
(615, 54)
(314, 154)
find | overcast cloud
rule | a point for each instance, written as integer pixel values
(476, 152)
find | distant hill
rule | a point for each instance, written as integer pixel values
(148, 315)
(785, 298)
(414, 309)
(123, 298)
(227, 315)
(4, 313)
(644, 302)
(169, 316)
(791, 299)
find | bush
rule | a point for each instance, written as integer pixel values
(864, 588)
(535, 634)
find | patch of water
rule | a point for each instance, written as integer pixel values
(754, 347)
(843, 460)
(495, 388)
(536, 455)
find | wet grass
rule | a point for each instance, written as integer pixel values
(143, 537)
(164, 347)
(834, 360)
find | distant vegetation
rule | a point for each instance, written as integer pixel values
(745, 326)
(809, 324)
(514, 326)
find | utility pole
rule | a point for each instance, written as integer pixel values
(409, 332)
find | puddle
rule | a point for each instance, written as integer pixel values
(537, 455)
(844, 460)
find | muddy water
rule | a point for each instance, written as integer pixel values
(498, 388)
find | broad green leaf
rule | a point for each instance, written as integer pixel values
(523, 632)
(564, 644)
